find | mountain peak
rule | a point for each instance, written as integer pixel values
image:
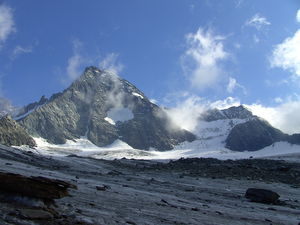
(104, 107)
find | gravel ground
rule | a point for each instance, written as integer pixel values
(187, 191)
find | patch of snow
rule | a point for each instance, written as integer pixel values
(119, 114)
(24, 115)
(27, 113)
(110, 120)
(137, 95)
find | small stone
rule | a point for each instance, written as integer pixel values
(103, 188)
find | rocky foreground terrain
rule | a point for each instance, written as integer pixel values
(186, 191)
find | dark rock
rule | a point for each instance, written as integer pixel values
(253, 135)
(11, 133)
(294, 139)
(82, 108)
(36, 187)
(262, 196)
(35, 214)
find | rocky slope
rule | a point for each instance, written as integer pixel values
(186, 191)
(103, 107)
(253, 135)
(12, 133)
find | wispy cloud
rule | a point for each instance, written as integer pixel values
(257, 21)
(110, 62)
(76, 61)
(286, 55)
(238, 3)
(233, 85)
(201, 61)
(20, 50)
(82, 58)
(7, 24)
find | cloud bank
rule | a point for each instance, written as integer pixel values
(201, 61)
(284, 116)
(187, 111)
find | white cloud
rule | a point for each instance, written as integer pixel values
(186, 113)
(226, 103)
(110, 62)
(298, 16)
(75, 62)
(287, 54)
(7, 24)
(233, 84)
(284, 116)
(201, 61)
(189, 108)
(19, 50)
(257, 21)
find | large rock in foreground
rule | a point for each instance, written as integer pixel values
(11, 133)
(36, 187)
(262, 195)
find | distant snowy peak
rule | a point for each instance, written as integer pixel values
(235, 112)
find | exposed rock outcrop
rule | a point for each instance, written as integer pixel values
(11, 133)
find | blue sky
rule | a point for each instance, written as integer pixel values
(176, 51)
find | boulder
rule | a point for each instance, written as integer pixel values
(262, 195)
(35, 187)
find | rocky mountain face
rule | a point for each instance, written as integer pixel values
(12, 133)
(22, 112)
(253, 135)
(103, 107)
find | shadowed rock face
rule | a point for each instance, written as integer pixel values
(12, 133)
(83, 108)
(253, 135)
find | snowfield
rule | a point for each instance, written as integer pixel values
(210, 148)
